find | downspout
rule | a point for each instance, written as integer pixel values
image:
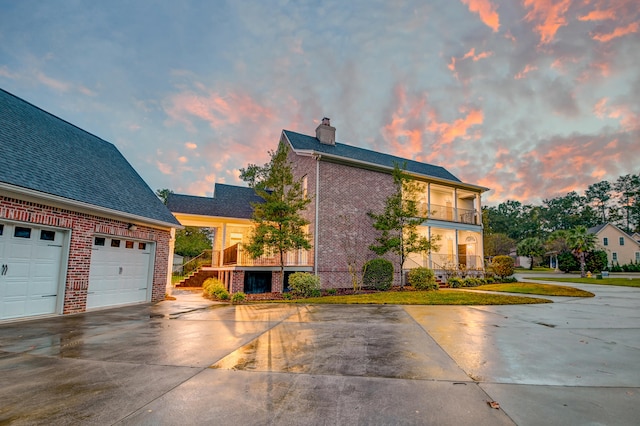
(315, 246)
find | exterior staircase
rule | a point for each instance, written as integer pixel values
(196, 278)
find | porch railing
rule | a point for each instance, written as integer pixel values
(448, 213)
(236, 255)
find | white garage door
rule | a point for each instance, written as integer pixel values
(119, 272)
(30, 265)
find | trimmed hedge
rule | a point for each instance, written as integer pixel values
(422, 279)
(378, 274)
(304, 284)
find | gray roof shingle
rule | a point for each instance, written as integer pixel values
(41, 152)
(228, 201)
(305, 142)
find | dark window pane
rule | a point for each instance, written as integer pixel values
(115, 243)
(142, 246)
(48, 235)
(129, 244)
(1, 229)
(99, 241)
(21, 232)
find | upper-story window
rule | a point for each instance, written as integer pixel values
(605, 241)
(621, 241)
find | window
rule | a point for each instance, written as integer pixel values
(99, 241)
(638, 257)
(614, 256)
(621, 241)
(605, 241)
(47, 235)
(115, 243)
(142, 246)
(21, 232)
(128, 244)
(1, 228)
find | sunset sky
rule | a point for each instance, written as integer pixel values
(531, 98)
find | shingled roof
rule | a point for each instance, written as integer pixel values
(310, 143)
(41, 152)
(228, 201)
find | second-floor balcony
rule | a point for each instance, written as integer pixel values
(235, 255)
(449, 213)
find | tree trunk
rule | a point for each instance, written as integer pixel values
(582, 273)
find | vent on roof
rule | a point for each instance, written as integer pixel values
(325, 133)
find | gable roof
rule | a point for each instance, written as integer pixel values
(596, 229)
(227, 201)
(300, 142)
(43, 153)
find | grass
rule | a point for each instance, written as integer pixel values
(535, 270)
(439, 297)
(624, 282)
(531, 288)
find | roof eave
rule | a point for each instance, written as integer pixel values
(67, 203)
(378, 167)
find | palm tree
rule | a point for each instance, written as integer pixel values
(581, 242)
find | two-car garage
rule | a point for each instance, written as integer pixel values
(33, 269)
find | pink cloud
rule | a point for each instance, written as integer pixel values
(618, 32)
(598, 15)
(487, 12)
(548, 15)
(600, 108)
(527, 69)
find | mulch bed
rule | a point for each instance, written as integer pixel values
(339, 292)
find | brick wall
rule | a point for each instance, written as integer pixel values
(83, 228)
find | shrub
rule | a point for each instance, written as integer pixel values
(471, 282)
(455, 282)
(303, 284)
(213, 287)
(567, 262)
(332, 291)
(596, 261)
(238, 297)
(503, 266)
(422, 279)
(287, 296)
(489, 280)
(378, 274)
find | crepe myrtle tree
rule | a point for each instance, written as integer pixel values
(279, 224)
(399, 221)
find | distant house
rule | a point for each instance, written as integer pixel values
(344, 182)
(621, 248)
(79, 228)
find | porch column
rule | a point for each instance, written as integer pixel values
(172, 246)
(456, 218)
(214, 235)
(456, 249)
(428, 199)
(429, 254)
(478, 212)
(224, 238)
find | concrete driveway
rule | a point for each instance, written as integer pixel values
(189, 361)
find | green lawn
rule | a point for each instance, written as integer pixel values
(624, 282)
(530, 288)
(535, 270)
(439, 297)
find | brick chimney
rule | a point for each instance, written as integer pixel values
(325, 133)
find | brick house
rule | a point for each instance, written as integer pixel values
(345, 182)
(79, 228)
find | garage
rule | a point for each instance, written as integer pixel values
(31, 267)
(120, 272)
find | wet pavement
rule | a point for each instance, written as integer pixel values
(191, 361)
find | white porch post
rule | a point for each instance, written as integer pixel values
(172, 246)
(455, 206)
(224, 238)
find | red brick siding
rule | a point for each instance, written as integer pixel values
(83, 228)
(237, 281)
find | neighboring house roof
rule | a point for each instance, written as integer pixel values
(227, 201)
(43, 153)
(596, 229)
(301, 142)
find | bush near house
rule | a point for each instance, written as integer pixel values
(213, 287)
(304, 284)
(378, 274)
(596, 261)
(422, 279)
(238, 297)
(503, 266)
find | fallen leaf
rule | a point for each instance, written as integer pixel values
(494, 404)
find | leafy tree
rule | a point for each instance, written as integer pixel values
(557, 241)
(530, 247)
(580, 241)
(568, 212)
(497, 244)
(628, 188)
(599, 194)
(163, 194)
(596, 261)
(279, 224)
(514, 219)
(567, 261)
(191, 241)
(399, 221)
